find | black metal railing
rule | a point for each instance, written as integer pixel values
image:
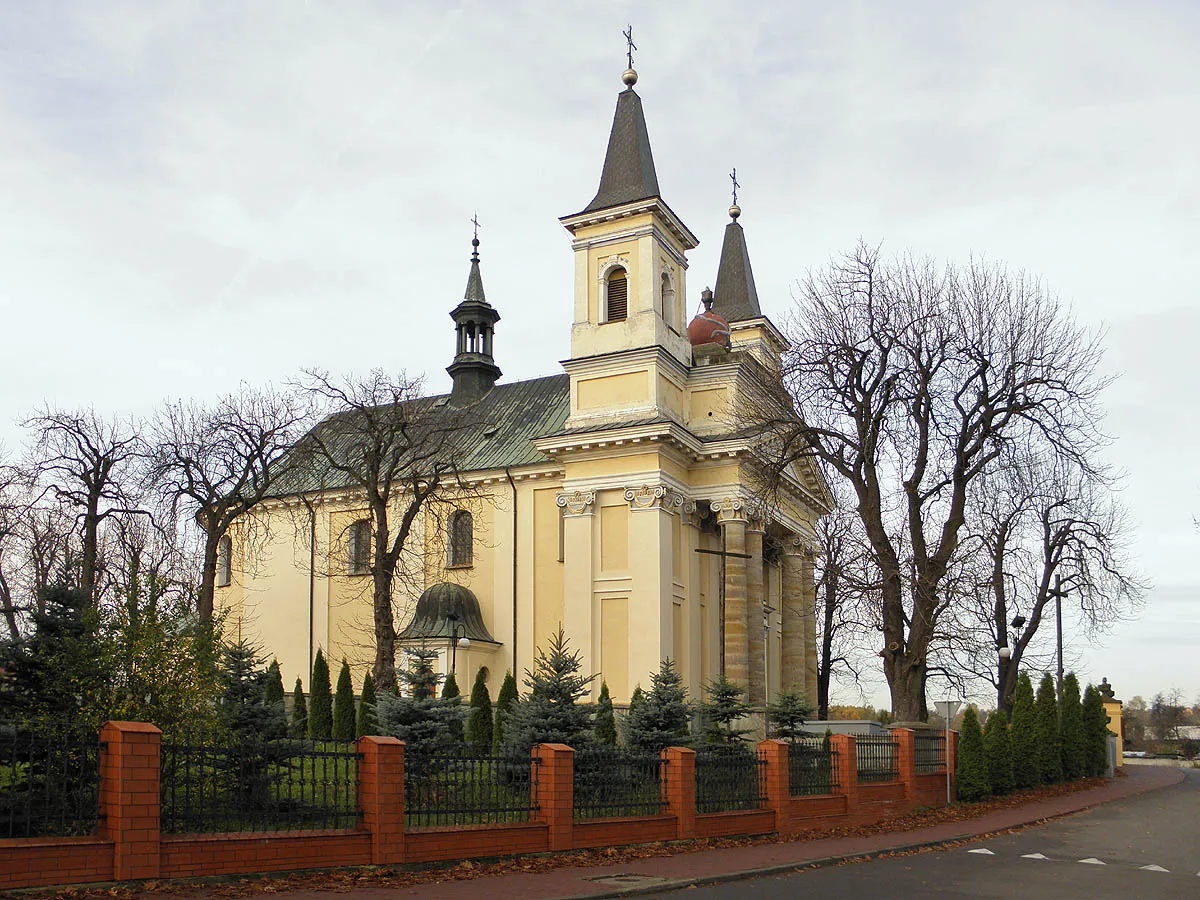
(729, 778)
(49, 779)
(613, 781)
(219, 782)
(878, 757)
(468, 790)
(812, 769)
(930, 752)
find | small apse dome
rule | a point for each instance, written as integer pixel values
(708, 327)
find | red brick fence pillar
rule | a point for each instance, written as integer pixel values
(906, 764)
(554, 791)
(679, 789)
(129, 797)
(846, 749)
(381, 796)
(778, 789)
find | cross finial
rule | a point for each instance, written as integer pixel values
(475, 239)
(733, 178)
(631, 45)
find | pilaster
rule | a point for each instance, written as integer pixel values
(579, 565)
(651, 635)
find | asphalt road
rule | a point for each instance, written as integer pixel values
(1103, 853)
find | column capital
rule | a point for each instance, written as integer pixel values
(730, 509)
(654, 496)
(577, 503)
(689, 513)
(794, 545)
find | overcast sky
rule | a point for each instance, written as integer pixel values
(201, 193)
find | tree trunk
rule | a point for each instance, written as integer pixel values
(91, 529)
(383, 670)
(825, 667)
(208, 579)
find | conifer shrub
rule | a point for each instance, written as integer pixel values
(420, 718)
(273, 690)
(1095, 729)
(997, 745)
(299, 726)
(479, 723)
(1027, 772)
(320, 701)
(787, 716)
(606, 718)
(1074, 739)
(551, 711)
(366, 722)
(972, 775)
(343, 706)
(504, 703)
(662, 717)
(1049, 738)
(722, 712)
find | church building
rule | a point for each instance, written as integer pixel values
(615, 499)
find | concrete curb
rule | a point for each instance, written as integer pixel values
(677, 884)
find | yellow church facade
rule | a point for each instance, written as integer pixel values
(615, 499)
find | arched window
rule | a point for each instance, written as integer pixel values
(460, 539)
(358, 547)
(616, 296)
(224, 561)
(667, 295)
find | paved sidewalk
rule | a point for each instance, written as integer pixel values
(704, 866)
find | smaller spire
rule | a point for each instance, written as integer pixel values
(736, 297)
(474, 370)
(475, 279)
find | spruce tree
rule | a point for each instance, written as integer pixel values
(343, 706)
(661, 720)
(504, 704)
(479, 724)
(1027, 771)
(1095, 729)
(419, 718)
(997, 746)
(320, 702)
(971, 779)
(722, 711)
(366, 723)
(1048, 736)
(606, 719)
(1074, 740)
(243, 707)
(551, 712)
(299, 726)
(452, 697)
(787, 716)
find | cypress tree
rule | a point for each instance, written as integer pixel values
(367, 723)
(1095, 728)
(273, 690)
(998, 748)
(723, 710)
(479, 724)
(1027, 771)
(1074, 740)
(452, 697)
(1048, 737)
(504, 704)
(661, 720)
(299, 711)
(343, 706)
(606, 718)
(320, 704)
(972, 775)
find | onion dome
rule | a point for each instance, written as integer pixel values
(440, 608)
(708, 327)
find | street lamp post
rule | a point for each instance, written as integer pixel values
(947, 709)
(458, 638)
(1005, 654)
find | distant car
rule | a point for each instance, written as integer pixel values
(1135, 754)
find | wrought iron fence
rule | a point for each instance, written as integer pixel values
(812, 768)
(49, 779)
(613, 781)
(467, 790)
(878, 757)
(219, 782)
(930, 752)
(729, 778)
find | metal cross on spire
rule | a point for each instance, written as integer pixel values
(475, 239)
(733, 178)
(631, 45)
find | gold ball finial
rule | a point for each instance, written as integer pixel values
(735, 211)
(629, 77)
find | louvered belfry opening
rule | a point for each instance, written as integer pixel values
(618, 296)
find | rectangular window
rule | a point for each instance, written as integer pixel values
(358, 548)
(224, 562)
(618, 297)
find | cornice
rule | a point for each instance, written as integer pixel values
(653, 205)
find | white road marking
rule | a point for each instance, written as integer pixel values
(1155, 869)
(1033, 856)
(1092, 861)
(982, 850)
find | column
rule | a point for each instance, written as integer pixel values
(731, 515)
(651, 601)
(756, 692)
(793, 623)
(578, 573)
(129, 797)
(808, 591)
(696, 621)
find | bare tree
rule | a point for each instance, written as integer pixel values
(88, 463)
(217, 463)
(910, 379)
(401, 451)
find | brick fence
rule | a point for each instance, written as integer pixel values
(128, 844)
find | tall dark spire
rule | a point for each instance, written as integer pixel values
(735, 297)
(628, 173)
(473, 370)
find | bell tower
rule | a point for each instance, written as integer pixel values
(474, 370)
(630, 279)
